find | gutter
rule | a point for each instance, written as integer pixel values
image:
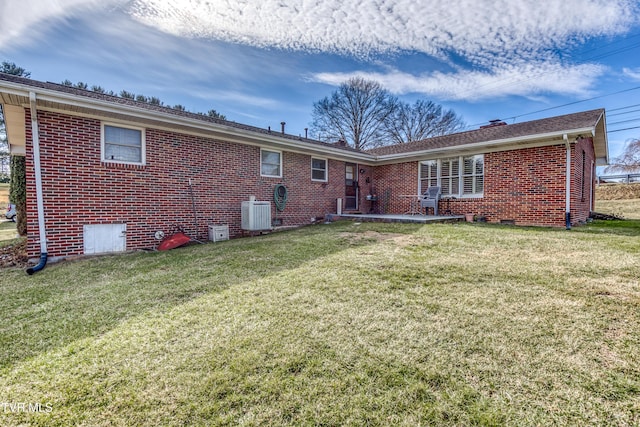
(517, 142)
(38, 174)
(210, 130)
(567, 215)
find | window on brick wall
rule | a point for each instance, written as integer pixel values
(461, 176)
(271, 163)
(473, 175)
(450, 176)
(428, 174)
(318, 169)
(123, 144)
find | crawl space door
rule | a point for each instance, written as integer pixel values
(104, 238)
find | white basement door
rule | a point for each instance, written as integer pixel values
(104, 238)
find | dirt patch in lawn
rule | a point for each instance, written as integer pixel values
(398, 238)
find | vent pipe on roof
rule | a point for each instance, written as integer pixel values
(493, 123)
(282, 124)
(306, 133)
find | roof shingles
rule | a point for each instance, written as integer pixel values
(581, 120)
(585, 119)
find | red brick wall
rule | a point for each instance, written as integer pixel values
(583, 179)
(526, 186)
(394, 181)
(79, 189)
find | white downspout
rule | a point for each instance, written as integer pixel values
(568, 183)
(591, 207)
(35, 136)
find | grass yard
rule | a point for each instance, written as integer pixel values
(8, 230)
(342, 324)
(628, 209)
(622, 200)
(4, 195)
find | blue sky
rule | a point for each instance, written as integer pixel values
(261, 62)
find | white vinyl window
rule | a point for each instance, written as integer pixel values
(457, 176)
(271, 163)
(473, 175)
(123, 144)
(428, 174)
(318, 169)
(450, 176)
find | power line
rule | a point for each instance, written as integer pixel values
(576, 102)
(624, 108)
(620, 130)
(473, 126)
(511, 81)
(624, 121)
(602, 46)
(620, 114)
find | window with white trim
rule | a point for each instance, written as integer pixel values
(318, 169)
(457, 176)
(122, 144)
(473, 175)
(450, 176)
(428, 174)
(271, 163)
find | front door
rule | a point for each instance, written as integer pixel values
(351, 187)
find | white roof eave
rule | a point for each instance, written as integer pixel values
(540, 139)
(231, 133)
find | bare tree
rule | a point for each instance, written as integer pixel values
(628, 161)
(423, 119)
(355, 113)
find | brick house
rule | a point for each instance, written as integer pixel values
(113, 165)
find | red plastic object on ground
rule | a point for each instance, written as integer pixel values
(174, 241)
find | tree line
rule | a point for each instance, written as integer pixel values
(152, 100)
(360, 112)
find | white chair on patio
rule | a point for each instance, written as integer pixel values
(430, 199)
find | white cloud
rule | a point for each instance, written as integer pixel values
(634, 73)
(22, 21)
(477, 29)
(481, 31)
(238, 98)
(523, 79)
(509, 47)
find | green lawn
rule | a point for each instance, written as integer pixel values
(7, 230)
(342, 324)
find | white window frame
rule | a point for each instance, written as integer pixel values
(473, 175)
(325, 170)
(461, 175)
(103, 143)
(450, 177)
(262, 150)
